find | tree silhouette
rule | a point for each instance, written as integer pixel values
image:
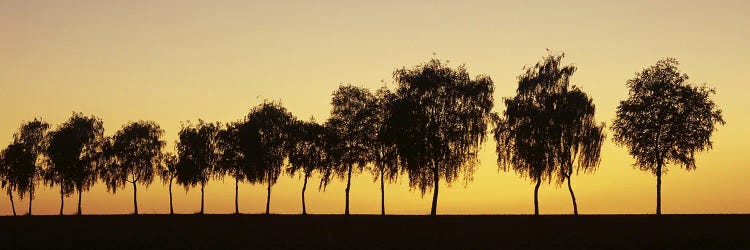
(268, 126)
(665, 120)
(136, 154)
(23, 159)
(198, 154)
(10, 181)
(580, 136)
(440, 117)
(352, 119)
(546, 126)
(168, 172)
(75, 154)
(307, 151)
(232, 158)
(385, 167)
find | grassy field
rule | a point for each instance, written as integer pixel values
(376, 232)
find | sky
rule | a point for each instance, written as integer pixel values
(174, 61)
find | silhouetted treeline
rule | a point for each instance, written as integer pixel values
(429, 128)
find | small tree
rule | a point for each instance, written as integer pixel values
(137, 153)
(167, 173)
(352, 119)
(198, 154)
(307, 151)
(665, 120)
(9, 174)
(75, 153)
(268, 127)
(440, 118)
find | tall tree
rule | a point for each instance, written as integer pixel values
(665, 120)
(352, 119)
(22, 160)
(537, 123)
(167, 173)
(385, 154)
(440, 116)
(198, 154)
(307, 151)
(268, 126)
(137, 153)
(75, 154)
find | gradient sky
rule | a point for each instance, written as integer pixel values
(172, 61)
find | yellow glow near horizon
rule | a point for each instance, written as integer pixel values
(171, 61)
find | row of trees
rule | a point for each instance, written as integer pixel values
(429, 128)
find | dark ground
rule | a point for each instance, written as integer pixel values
(376, 232)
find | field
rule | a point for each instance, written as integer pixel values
(376, 232)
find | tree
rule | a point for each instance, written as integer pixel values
(385, 167)
(9, 175)
(268, 126)
(580, 136)
(75, 154)
(198, 154)
(665, 120)
(24, 158)
(545, 126)
(136, 154)
(232, 159)
(308, 151)
(352, 117)
(440, 118)
(167, 173)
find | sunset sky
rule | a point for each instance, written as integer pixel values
(171, 61)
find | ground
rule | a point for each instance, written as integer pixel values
(376, 232)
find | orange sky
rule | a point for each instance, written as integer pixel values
(172, 61)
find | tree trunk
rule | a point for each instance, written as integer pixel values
(171, 208)
(382, 192)
(202, 195)
(135, 198)
(572, 196)
(348, 187)
(236, 195)
(268, 198)
(658, 188)
(62, 200)
(304, 187)
(12, 204)
(536, 196)
(80, 194)
(436, 181)
(31, 198)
